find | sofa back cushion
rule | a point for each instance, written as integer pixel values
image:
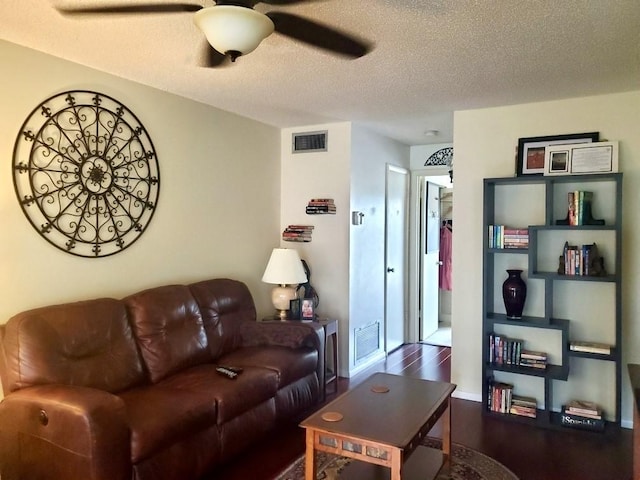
(168, 326)
(224, 304)
(86, 344)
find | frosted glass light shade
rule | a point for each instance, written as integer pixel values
(232, 29)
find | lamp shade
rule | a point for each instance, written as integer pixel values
(232, 29)
(284, 268)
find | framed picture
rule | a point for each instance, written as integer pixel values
(531, 151)
(581, 158)
(294, 309)
(306, 309)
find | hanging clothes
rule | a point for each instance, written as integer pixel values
(446, 235)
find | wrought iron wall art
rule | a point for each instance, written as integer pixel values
(86, 173)
(443, 157)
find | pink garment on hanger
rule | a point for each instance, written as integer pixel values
(445, 258)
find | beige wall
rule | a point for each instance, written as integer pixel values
(484, 145)
(347, 262)
(218, 211)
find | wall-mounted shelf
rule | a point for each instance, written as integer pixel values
(321, 206)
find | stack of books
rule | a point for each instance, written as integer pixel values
(297, 233)
(529, 358)
(321, 206)
(501, 236)
(582, 414)
(590, 347)
(524, 406)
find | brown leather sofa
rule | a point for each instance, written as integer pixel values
(128, 389)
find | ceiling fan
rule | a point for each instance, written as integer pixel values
(233, 28)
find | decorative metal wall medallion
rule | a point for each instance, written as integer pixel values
(443, 157)
(86, 174)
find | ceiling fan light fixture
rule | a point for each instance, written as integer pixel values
(233, 30)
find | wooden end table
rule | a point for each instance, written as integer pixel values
(383, 430)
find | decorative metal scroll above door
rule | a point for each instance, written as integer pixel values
(86, 174)
(443, 157)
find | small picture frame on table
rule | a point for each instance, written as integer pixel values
(531, 150)
(306, 310)
(294, 309)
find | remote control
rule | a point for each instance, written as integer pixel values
(227, 373)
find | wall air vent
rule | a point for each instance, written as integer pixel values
(367, 340)
(309, 142)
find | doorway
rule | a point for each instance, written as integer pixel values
(435, 217)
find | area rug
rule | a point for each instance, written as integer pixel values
(467, 464)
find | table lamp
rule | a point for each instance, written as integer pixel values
(285, 270)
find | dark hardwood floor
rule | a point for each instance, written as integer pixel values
(531, 453)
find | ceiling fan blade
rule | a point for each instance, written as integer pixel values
(142, 8)
(318, 35)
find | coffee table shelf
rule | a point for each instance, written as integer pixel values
(424, 462)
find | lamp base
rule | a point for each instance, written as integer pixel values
(281, 297)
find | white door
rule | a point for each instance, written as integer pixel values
(396, 250)
(429, 301)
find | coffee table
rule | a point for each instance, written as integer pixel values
(383, 429)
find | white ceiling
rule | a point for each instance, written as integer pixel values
(431, 57)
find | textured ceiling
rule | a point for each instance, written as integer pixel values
(430, 57)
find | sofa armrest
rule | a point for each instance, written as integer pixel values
(292, 334)
(60, 431)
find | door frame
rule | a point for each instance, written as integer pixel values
(417, 176)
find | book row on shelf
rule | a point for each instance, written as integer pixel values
(576, 413)
(321, 206)
(502, 400)
(510, 351)
(580, 209)
(501, 236)
(582, 260)
(297, 233)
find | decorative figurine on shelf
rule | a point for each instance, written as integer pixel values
(307, 290)
(596, 263)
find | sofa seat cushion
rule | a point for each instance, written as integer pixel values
(252, 387)
(290, 364)
(160, 416)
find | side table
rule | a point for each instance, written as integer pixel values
(330, 326)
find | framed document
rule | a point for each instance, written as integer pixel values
(581, 158)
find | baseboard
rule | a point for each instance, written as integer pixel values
(474, 397)
(375, 358)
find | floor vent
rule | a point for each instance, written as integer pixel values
(367, 340)
(310, 142)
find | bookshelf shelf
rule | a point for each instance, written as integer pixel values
(552, 295)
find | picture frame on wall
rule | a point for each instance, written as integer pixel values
(581, 158)
(307, 310)
(530, 159)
